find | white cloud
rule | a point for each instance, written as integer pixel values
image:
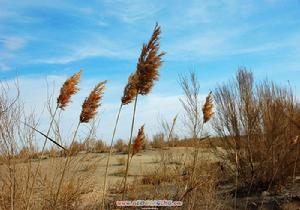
(90, 47)
(9, 45)
(131, 11)
(13, 43)
(207, 44)
(220, 43)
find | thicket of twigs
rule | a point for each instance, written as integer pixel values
(258, 126)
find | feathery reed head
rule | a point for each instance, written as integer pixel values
(207, 108)
(130, 90)
(91, 103)
(68, 89)
(138, 141)
(149, 63)
(295, 140)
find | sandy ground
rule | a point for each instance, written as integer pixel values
(141, 163)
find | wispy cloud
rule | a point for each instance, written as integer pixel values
(90, 47)
(9, 46)
(131, 11)
(222, 43)
(13, 43)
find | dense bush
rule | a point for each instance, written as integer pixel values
(158, 141)
(120, 146)
(254, 122)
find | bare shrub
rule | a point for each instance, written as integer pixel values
(100, 146)
(158, 141)
(76, 147)
(120, 146)
(147, 144)
(93, 145)
(191, 104)
(255, 132)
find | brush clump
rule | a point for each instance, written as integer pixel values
(68, 89)
(138, 142)
(91, 103)
(207, 108)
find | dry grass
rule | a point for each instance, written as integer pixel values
(46, 183)
(121, 161)
(170, 181)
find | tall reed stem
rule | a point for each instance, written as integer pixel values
(39, 162)
(129, 146)
(66, 164)
(196, 151)
(108, 158)
(171, 130)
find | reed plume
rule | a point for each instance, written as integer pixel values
(91, 103)
(130, 90)
(149, 63)
(138, 142)
(142, 81)
(207, 108)
(68, 89)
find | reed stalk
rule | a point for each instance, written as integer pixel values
(129, 146)
(65, 166)
(172, 128)
(109, 156)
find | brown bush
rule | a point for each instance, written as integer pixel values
(252, 121)
(120, 146)
(100, 146)
(158, 141)
(76, 147)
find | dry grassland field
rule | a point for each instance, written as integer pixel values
(88, 139)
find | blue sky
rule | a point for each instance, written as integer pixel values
(47, 41)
